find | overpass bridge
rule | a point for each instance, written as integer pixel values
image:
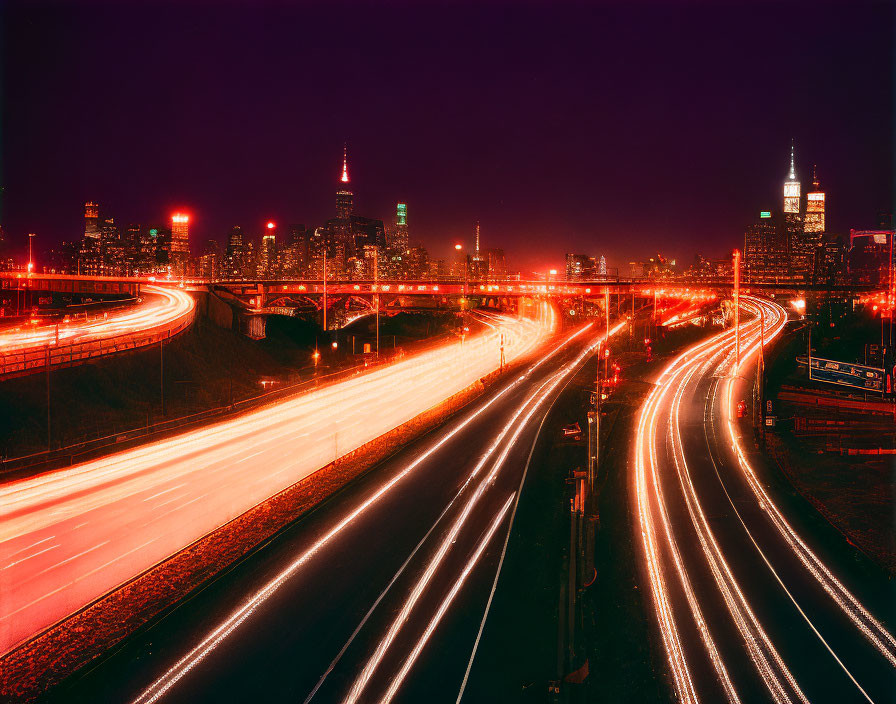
(336, 303)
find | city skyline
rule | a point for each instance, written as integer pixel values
(602, 186)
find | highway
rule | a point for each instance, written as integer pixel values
(162, 307)
(380, 595)
(69, 536)
(32, 346)
(747, 606)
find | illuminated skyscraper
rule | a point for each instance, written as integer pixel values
(800, 247)
(179, 250)
(478, 263)
(180, 235)
(814, 220)
(343, 195)
(400, 236)
(792, 188)
(267, 260)
(91, 220)
(233, 255)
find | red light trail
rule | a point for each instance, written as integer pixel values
(665, 540)
(69, 536)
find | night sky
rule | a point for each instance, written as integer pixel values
(619, 128)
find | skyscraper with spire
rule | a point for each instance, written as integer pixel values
(800, 247)
(344, 197)
(792, 187)
(478, 263)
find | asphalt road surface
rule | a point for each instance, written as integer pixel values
(71, 535)
(749, 604)
(378, 595)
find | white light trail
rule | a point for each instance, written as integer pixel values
(233, 465)
(170, 305)
(675, 379)
(869, 626)
(533, 402)
(195, 656)
(398, 680)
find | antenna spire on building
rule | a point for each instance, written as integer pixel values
(815, 176)
(344, 178)
(792, 162)
(477, 237)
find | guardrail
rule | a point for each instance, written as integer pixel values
(32, 359)
(82, 450)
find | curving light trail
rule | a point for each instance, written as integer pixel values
(115, 517)
(166, 306)
(197, 654)
(514, 427)
(663, 540)
(871, 628)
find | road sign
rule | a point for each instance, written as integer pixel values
(770, 421)
(855, 376)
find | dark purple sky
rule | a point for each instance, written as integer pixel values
(620, 128)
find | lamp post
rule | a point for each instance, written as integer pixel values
(463, 300)
(736, 309)
(607, 321)
(325, 288)
(30, 253)
(376, 287)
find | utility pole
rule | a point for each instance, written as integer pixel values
(48, 398)
(760, 373)
(376, 278)
(736, 309)
(502, 350)
(325, 288)
(890, 293)
(607, 327)
(162, 373)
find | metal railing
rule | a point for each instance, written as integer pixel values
(74, 452)
(32, 359)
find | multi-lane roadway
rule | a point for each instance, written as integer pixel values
(69, 536)
(380, 595)
(747, 605)
(162, 312)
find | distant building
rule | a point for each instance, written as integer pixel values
(179, 248)
(294, 256)
(765, 250)
(233, 253)
(209, 261)
(400, 229)
(496, 263)
(579, 267)
(602, 266)
(869, 256)
(814, 221)
(831, 261)
(267, 257)
(91, 220)
(800, 246)
(478, 264)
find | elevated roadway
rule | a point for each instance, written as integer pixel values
(30, 346)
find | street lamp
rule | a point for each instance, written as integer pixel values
(736, 309)
(30, 257)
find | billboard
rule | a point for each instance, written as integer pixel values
(855, 376)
